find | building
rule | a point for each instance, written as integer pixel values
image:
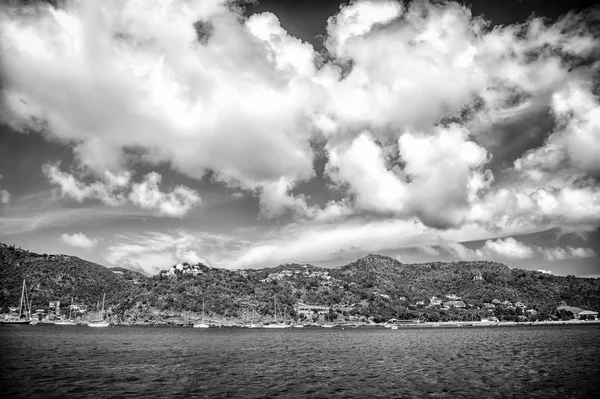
(520, 305)
(587, 315)
(454, 304)
(434, 301)
(507, 303)
(309, 310)
(453, 297)
(573, 309)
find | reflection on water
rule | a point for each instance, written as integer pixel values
(52, 361)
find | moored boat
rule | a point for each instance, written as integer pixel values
(64, 323)
(202, 324)
(276, 324)
(18, 320)
(100, 322)
(69, 321)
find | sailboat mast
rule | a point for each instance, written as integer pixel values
(27, 301)
(103, 298)
(203, 311)
(71, 308)
(21, 302)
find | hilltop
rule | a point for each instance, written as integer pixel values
(59, 277)
(374, 287)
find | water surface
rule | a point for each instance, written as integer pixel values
(127, 362)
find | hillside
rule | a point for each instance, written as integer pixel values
(58, 278)
(375, 287)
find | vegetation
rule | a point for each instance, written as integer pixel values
(374, 287)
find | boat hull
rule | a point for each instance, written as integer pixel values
(201, 325)
(98, 324)
(64, 323)
(16, 322)
(276, 326)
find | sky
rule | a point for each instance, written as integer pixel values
(142, 134)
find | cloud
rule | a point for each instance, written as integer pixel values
(510, 249)
(146, 195)
(429, 250)
(226, 104)
(4, 195)
(557, 253)
(442, 174)
(457, 250)
(116, 190)
(79, 240)
(155, 251)
(201, 89)
(507, 248)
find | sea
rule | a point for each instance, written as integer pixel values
(46, 361)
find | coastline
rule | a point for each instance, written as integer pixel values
(368, 325)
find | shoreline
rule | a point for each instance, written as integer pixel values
(363, 326)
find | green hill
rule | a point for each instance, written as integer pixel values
(58, 278)
(376, 287)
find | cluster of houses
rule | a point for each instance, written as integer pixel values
(452, 301)
(291, 273)
(182, 268)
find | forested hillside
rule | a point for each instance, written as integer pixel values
(375, 287)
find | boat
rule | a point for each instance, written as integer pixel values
(64, 323)
(253, 324)
(69, 321)
(202, 324)
(100, 322)
(277, 325)
(17, 320)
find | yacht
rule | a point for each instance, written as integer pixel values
(202, 324)
(13, 319)
(101, 322)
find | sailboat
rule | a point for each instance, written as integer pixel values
(203, 324)
(253, 323)
(277, 325)
(69, 321)
(11, 319)
(101, 322)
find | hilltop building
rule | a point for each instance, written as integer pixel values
(434, 301)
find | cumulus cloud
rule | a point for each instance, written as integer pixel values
(140, 79)
(78, 240)
(118, 189)
(147, 195)
(507, 248)
(510, 249)
(557, 253)
(200, 88)
(4, 195)
(442, 173)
